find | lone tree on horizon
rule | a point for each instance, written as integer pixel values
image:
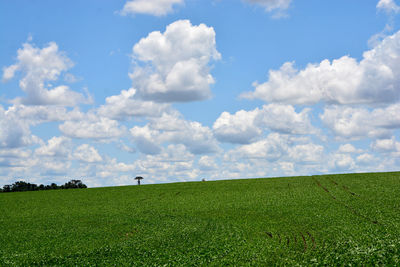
(138, 178)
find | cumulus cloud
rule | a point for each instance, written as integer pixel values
(285, 119)
(126, 105)
(174, 66)
(14, 132)
(146, 139)
(306, 153)
(92, 126)
(373, 80)
(386, 145)
(41, 67)
(207, 163)
(150, 7)
(273, 147)
(343, 162)
(34, 115)
(276, 154)
(237, 128)
(172, 128)
(365, 159)
(355, 123)
(55, 147)
(388, 6)
(173, 161)
(245, 127)
(87, 153)
(348, 148)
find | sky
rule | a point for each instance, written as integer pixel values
(185, 90)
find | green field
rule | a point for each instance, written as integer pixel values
(321, 220)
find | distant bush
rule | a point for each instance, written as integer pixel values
(21, 186)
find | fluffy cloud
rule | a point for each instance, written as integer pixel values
(284, 119)
(13, 132)
(238, 128)
(388, 6)
(343, 162)
(348, 148)
(173, 161)
(273, 147)
(55, 147)
(150, 7)
(366, 159)
(34, 115)
(172, 128)
(175, 64)
(386, 145)
(306, 153)
(88, 154)
(92, 126)
(373, 80)
(355, 123)
(245, 127)
(146, 139)
(275, 155)
(207, 163)
(40, 67)
(125, 105)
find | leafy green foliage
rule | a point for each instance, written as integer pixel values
(21, 186)
(350, 219)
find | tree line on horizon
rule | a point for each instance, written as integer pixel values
(22, 186)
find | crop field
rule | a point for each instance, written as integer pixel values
(314, 220)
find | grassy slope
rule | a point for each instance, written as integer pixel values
(352, 218)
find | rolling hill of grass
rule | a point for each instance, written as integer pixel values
(330, 219)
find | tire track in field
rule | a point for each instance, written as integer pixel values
(285, 240)
(350, 208)
(343, 187)
(304, 241)
(312, 240)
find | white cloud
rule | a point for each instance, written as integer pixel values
(277, 6)
(207, 163)
(125, 105)
(284, 119)
(34, 115)
(41, 67)
(388, 6)
(386, 145)
(245, 127)
(238, 128)
(373, 80)
(355, 123)
(146, 139)
(365, 159)
(174, 161)
(15, 153)
(172, 128)
(306, 153)
(51, 167)
(87, 153)
(273, 147)
(92, 126)
(348, 148)
(343, 162)
(13, 131)
(150, 7)
(55, 147)
(175, 63)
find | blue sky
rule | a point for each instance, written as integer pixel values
(180, 90)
